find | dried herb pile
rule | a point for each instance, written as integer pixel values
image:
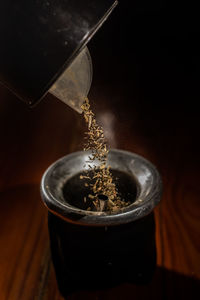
(104, 195)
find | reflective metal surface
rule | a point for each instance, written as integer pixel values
(40, 39)
(148, 181)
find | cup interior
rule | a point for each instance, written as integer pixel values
(144, 187)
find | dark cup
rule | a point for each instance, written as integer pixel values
(93, 250)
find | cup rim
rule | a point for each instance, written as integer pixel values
(143, 205)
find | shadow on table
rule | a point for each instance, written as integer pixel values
(164, 285)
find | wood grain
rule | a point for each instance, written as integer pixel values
(146, 102)
(26, 268)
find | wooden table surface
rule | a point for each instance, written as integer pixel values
(146, 102)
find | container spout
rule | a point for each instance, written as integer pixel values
(73, 85)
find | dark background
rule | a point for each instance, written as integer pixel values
(145, 93)
(150, 51)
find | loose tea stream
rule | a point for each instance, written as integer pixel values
(74, 192)
(103, 194)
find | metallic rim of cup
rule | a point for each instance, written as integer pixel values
(145, 174)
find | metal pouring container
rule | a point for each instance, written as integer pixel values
(97, 249)
(41, 39)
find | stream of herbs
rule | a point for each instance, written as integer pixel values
(99, 181)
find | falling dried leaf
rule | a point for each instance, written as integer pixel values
(102, 180)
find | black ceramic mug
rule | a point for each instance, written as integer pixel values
(92, 250)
